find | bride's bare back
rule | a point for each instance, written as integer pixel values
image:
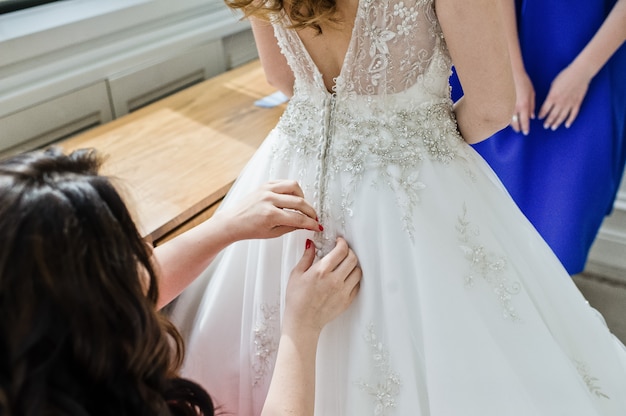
(474, 35)
(328, 49)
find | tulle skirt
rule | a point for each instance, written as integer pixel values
(469, 314)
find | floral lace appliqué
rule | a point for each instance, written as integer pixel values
(486, 265)
(266, 336)
(348, 144)
(590, 381)
(392, 46)
(390, 110)
(386, 386)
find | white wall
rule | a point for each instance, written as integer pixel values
(69, 65)
(608, 254)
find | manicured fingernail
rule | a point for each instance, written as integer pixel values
(308, 244)
(321, 228)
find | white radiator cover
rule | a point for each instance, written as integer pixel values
(45, 81)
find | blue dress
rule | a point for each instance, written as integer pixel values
(565, 181)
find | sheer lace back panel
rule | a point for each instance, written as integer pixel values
(393, 46)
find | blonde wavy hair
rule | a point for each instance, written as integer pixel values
(302, 13)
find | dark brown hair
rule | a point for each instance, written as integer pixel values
(79, 330)
(301, 13)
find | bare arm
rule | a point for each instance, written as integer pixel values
(524, 89)
(275, 209)
(316, 294)
(476, 39)
(570, 87)
(277, 71)
(605, 42)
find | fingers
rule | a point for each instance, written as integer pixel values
(336, 256)
(318, 292)
(524, 112)
(285, 186)
(344, 264)
(307, 258)
(548, 113)
(287, 221)
(282, 221)
(572, 116)
(353, 281)
(515, 123)
(291, 202)
(340, 261)
(348, 269)
(348, 264)
(553, 116)
(524, 104)
(294, 212)
(564, 99)
(520, 122)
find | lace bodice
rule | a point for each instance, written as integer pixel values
(390, 109)
(393, 45)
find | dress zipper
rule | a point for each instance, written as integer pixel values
(322, 239)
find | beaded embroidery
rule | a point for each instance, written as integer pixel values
(265, 335)
(379, 59)
(589, 380)
(393, 144)
(387, 386)
(487, 265)
(389, 111)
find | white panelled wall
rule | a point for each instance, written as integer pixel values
(74, 64)
(608, 254)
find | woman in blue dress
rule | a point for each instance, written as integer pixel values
(563, 156)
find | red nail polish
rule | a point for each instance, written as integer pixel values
(321, 228)
(308, 244)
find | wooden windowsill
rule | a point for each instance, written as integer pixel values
(177, 157)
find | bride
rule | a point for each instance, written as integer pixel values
(463, 309)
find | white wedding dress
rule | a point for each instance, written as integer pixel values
(463, 309)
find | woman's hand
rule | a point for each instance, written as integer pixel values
(318, 292)
(278, 207)
(274, 209)
(564, 99)
(569, 88)
(524, 103)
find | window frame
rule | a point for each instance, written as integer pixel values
(33, 32)
(10, 6)
(52, 49)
